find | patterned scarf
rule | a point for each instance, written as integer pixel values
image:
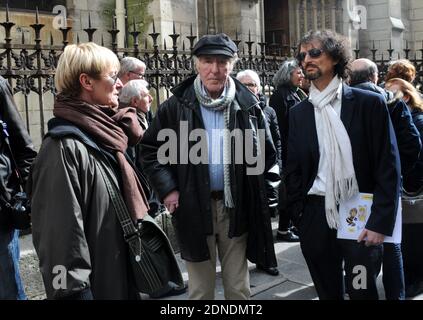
(221, 104)
(113, 129)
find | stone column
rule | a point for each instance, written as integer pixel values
(305, 15)
(211, 26)
(323, 14)
(120, 22)
(333, 16)
(297, 20)
(261, 18)
(202, 17)
(314, 9)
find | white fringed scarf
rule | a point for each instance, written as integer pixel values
(341, 183)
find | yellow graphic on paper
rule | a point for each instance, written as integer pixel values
(362, 213)
(368, 197)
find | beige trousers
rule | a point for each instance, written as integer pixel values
(232, 257)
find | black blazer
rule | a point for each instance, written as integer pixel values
(375, 155)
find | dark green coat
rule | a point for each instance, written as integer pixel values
(74, 223)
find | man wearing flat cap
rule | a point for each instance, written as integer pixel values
(217, 193)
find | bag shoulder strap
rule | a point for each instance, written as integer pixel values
(132, 235)
(129, 230)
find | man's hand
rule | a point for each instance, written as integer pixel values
(371, 238)
(171, 201)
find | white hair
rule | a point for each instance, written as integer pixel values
(129, 64)
(232, 61)
(132, 89)
(252, 74)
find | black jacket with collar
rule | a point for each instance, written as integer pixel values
(370, 86)
(413, 181)
(193, 217)
(282, 100)
(272, 122)
(20, 143)
(407, 135)
(374, 149)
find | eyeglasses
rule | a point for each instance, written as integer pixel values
(140, 75)
(250, 85)
(313, 53)
(114, 77)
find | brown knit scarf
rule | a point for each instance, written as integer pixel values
(113, 129)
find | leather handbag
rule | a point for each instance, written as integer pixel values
(412, 206)
(151, 255)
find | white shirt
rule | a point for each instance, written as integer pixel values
(319, 185)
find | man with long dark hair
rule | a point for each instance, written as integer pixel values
(341, 142)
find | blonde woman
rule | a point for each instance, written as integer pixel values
(76, 232)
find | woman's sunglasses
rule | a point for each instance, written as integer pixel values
(313, 53)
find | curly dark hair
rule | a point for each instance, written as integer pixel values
(335, 45)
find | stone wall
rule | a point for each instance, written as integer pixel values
(101, 18)
(242, 16)
(415, 15)
(166, 12)
(385, 26)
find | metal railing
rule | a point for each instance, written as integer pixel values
(382, 58)
(30, 68)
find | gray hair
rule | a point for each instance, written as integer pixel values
(129, 64)
(132, 89)
(232, 61)
(283, 76)
(252, 74)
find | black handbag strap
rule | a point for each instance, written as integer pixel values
(128, 227)
(130, 232)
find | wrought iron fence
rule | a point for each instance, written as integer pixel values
(383, 58)
(30, 68)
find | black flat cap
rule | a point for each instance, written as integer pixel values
(219, 44)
